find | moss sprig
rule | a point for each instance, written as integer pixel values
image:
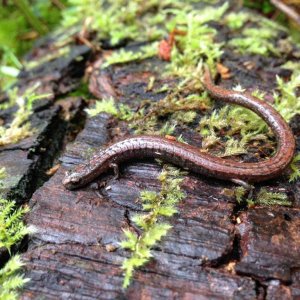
(180, 106)
(3, 174)
(126, 56)
(256, 41)
(20, 127)
(189, 51)
(11, 281)
(236, 20)
(123, 19)
(12, 229)
(229, 122)
(286, 100)
(295, 168)
(265, 197)
(121, 111)
(152, 225)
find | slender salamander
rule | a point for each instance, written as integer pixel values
(189, 157)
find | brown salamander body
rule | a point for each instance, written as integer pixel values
(189, 157)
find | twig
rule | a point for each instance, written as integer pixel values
(290, 12)
(58, 4)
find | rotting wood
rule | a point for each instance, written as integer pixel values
(75, 253)
(204, 239)
(92, 220)
(27, 161)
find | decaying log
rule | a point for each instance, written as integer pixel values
(216, 249)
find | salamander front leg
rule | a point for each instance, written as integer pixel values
(115, 168)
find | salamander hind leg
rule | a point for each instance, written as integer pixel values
(248, 187)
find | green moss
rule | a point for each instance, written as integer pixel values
(265, 197)
(105, 105)
(228, 122)
(123, 56)
(295, 168)
(259, 39)
(189, 52)
(236, 20)
(168, 128)
(123, 112)
(180, 109)
(234, 147)
(81, 91)
(239, 193)
(12, 229)
(256, 41)
(20, 127)
(2, 176)
(2, 173)
(184, 117)
(11, 281)
(286, 100)
(123, 19)
(152, 224)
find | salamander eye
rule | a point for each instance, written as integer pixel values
(71, 179)
(74, 178)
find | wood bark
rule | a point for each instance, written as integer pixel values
(75, 252)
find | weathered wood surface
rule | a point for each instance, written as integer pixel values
(89, 223)
(27, 161)
(75, 253)
(206, 255)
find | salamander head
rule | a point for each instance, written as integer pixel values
(72, 180)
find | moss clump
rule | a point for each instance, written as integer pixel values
(123, 112)
(265, 197)
(179, 107)
(12, 229)
(223, 127)
(123, 56)
(123, 19)
(237, 20)
(197, 43)
(256, 41)
(105, 105)
(286, 100)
